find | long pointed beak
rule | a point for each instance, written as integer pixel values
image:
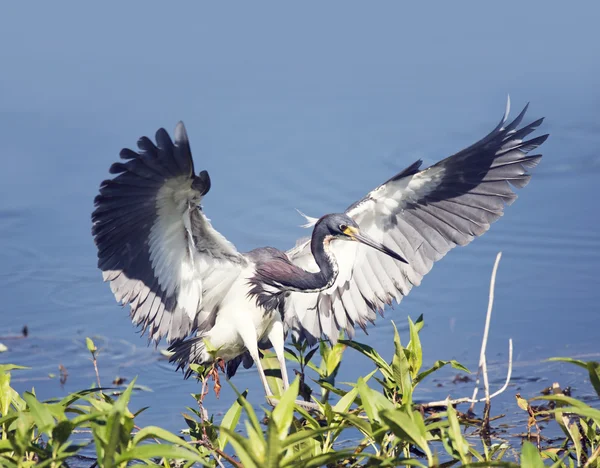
(364, 239)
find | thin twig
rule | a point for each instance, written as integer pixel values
(592, 458)
(508, 373)
(470, 400)
(482, 361)
(96, 369)
(218, 452)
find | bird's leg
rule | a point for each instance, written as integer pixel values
(276, 338)
(263, 377)
(248, 334)
(307, 405)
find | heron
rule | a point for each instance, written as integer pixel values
(186, 283)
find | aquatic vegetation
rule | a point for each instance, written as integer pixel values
(372, 422)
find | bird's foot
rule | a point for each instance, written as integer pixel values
(272, 400)
(306, 405)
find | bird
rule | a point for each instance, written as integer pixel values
(186, 283)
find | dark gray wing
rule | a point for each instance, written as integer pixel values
(421, 214)
(155, 246)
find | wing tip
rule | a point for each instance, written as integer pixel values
(202, 183)
(181, 136)
(163, 139)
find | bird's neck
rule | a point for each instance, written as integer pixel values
(328, 267)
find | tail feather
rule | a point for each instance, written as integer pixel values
(190, 351)
(233, 364)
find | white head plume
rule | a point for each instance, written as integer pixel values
(310, 220)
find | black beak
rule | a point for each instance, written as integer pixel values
(364, 239)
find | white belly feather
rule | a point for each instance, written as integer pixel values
(239, 315)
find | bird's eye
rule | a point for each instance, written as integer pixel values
(343, 227)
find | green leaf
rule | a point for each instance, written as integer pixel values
(243, 449)
(140, 411)
(115, 424)
(522, 402)
(361, 424)
(593, 458)
(9, 418)
(147, 452)
(330, 388)
(408, 424)
(367, 403)
(401, 369)
(294, 458)
(84, 418)
(369, 352)
(416, 353)
(83, 394)
(310, 421)
(334, 357)
(8, 395)
(301, 436)
(419, 323)
(230, 421)
(325, 459)
(346, 401)
(576, 439)
(123, 400)
(310, 354)
(155, 432)
(257, 441)
(273, 445)
(586, 411)
(283, 414)
(143, 388)
(593, 368)
(90, 345)
(290, 355)
(460, 445)
(5, 394)
(373, 402)
(578, 407)
(530, 457)
(577, 362)
(9, 367)
(62, 431)
(247, 408)
(438, 365)
(41, 415)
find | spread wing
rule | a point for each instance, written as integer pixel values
(421, 214)
(155, 245)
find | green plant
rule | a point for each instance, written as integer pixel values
(371, 422)
(35, 433)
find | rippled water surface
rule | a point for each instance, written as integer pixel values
(288, 109)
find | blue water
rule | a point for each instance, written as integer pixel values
(309, 108)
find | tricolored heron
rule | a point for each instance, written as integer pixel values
(185, 282)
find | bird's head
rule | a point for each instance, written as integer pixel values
(343, 227)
